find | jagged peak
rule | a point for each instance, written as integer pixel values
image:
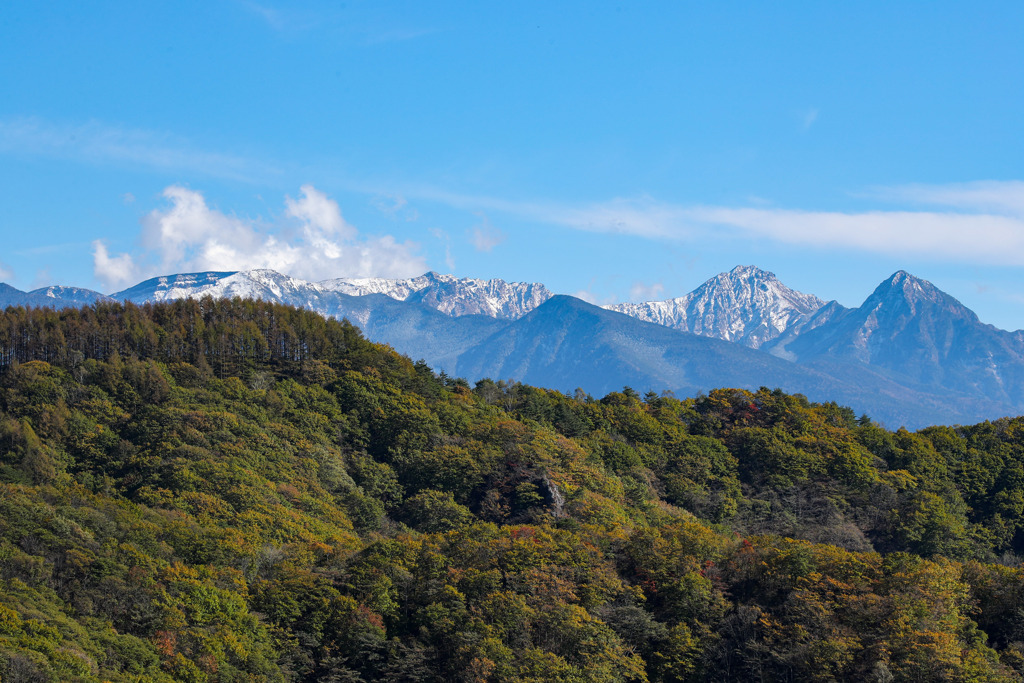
(429, 277)
(751, 272)
(902, 290)
(262, 272)
(903, 285)
(741, 275)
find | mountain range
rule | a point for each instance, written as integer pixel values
(909, 355)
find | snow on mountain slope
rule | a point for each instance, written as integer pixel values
(910, 354)
(746, 305)
(54, 296)
(451, 295)
(68, 296)
(172, 287)
(912, 330)
(445, 293)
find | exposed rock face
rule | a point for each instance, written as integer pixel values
(910, 354)
(910, 328)
(746, 305)
(452, 295)
(446, 293)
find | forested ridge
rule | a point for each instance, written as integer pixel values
(233, 490)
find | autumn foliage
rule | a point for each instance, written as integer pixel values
(242, 491)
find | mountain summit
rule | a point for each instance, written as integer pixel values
(448, 294)
(746, 305)
(903, 312)
(910, 354)
(911, 329)
(452, 295)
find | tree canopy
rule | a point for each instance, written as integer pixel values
(229, 490)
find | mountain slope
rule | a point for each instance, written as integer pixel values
(446, 293)
(746, 305)
(911, 330)
(910, 355)
(414, 329)
(567, 343)
(50, 297)
(171, 287)
(451, 295)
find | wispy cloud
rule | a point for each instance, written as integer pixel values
(51, 248)
(440, 234)
(311, 241)
(640, 291)
(98, 143)
(484, 236)
(351, 26)
(808, 118)
(592, 298)
(5, 272)
(396, 35)
(966, 238)
(988, 228)
(272, 16)
(394, 206)
(996, 196)
(290, 18)
(43, 278)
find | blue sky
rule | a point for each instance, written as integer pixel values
(616, 151)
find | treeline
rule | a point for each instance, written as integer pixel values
(231, 336)
(235, 490)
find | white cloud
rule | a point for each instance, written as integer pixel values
(808, 118)
(640, 291)
(996, 196)
(970, 238)
(116, 271)
(98, 143)
(5, 272)
(188, 235)
(989, 228)
(484, 236)
(593, 298)
(320, 216)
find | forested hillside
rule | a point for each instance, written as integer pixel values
(233, 490)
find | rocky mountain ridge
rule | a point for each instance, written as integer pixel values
(746, 305)
(452, 295)
(910, 354)
(448, 294)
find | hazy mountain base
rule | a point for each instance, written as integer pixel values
(909, 355)
(235, 490)
(567, 343)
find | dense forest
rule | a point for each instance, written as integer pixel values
(232, 490)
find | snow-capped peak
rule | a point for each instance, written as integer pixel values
(446, 293)
(904, 295)
(452, 295)
(746, 305)
(171, 287)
